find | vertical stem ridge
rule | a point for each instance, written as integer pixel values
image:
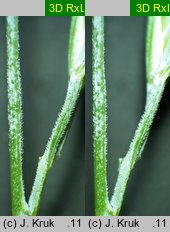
(15, 116)
(99, 117)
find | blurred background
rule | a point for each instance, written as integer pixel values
(43, 56)
(44, 60)
(149, 187)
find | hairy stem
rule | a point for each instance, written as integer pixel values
(46, 161)
(76, 84)
(54, 146)
(19, 206)
(127, 163)
(99, 118)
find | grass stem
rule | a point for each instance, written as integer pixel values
(19, 206)
(99, 118)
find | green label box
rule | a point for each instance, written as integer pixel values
(64, 7)
(149, 7)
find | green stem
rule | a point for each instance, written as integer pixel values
(127, 163)
(99, 118)
(76, 84)
(46, 161)
(54, 146)
(19, 206)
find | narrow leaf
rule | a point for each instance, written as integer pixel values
(76, 57)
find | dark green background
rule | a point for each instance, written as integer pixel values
(44, 50)
(149, 186)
